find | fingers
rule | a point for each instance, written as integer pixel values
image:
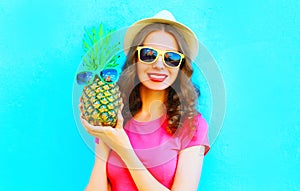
(80, 105)
(120, 120)
(122, 106)
(94, 130)
(90, 128)
(85, 124)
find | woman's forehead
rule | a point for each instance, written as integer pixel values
(161, 39)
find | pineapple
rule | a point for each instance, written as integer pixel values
(101, 96)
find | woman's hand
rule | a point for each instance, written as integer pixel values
(115, 138)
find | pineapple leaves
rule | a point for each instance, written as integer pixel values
(113, 61)
(100, 50)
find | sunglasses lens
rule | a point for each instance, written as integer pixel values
(109, 75)
(172, 59)
(84, 78)
(148, 55)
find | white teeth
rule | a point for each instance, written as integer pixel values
(155, 76)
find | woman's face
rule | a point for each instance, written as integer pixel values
(158, 76)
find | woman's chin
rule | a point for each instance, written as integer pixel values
(155, 85)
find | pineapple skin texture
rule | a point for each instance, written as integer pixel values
(101, 102)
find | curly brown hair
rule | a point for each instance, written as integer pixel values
(182, 95)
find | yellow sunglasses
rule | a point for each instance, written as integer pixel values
(149, 55)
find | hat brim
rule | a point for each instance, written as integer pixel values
(187, 33)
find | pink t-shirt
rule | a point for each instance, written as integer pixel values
(157, 149)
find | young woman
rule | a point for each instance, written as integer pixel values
(160, 139)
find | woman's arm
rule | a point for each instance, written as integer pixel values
(98, 180)
(189, 168)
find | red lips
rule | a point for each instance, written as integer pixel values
(157, 77)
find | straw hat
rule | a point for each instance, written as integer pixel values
(166, 17)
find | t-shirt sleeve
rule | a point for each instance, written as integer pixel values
(196, 137)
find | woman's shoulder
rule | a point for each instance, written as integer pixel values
(195, 132)
(194, 126)
(197, 120)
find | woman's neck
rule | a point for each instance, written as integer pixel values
(152, 104)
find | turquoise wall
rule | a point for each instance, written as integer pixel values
(255, 44)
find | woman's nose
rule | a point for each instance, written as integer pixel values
(159, 64)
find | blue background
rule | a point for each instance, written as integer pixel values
(256, 45)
